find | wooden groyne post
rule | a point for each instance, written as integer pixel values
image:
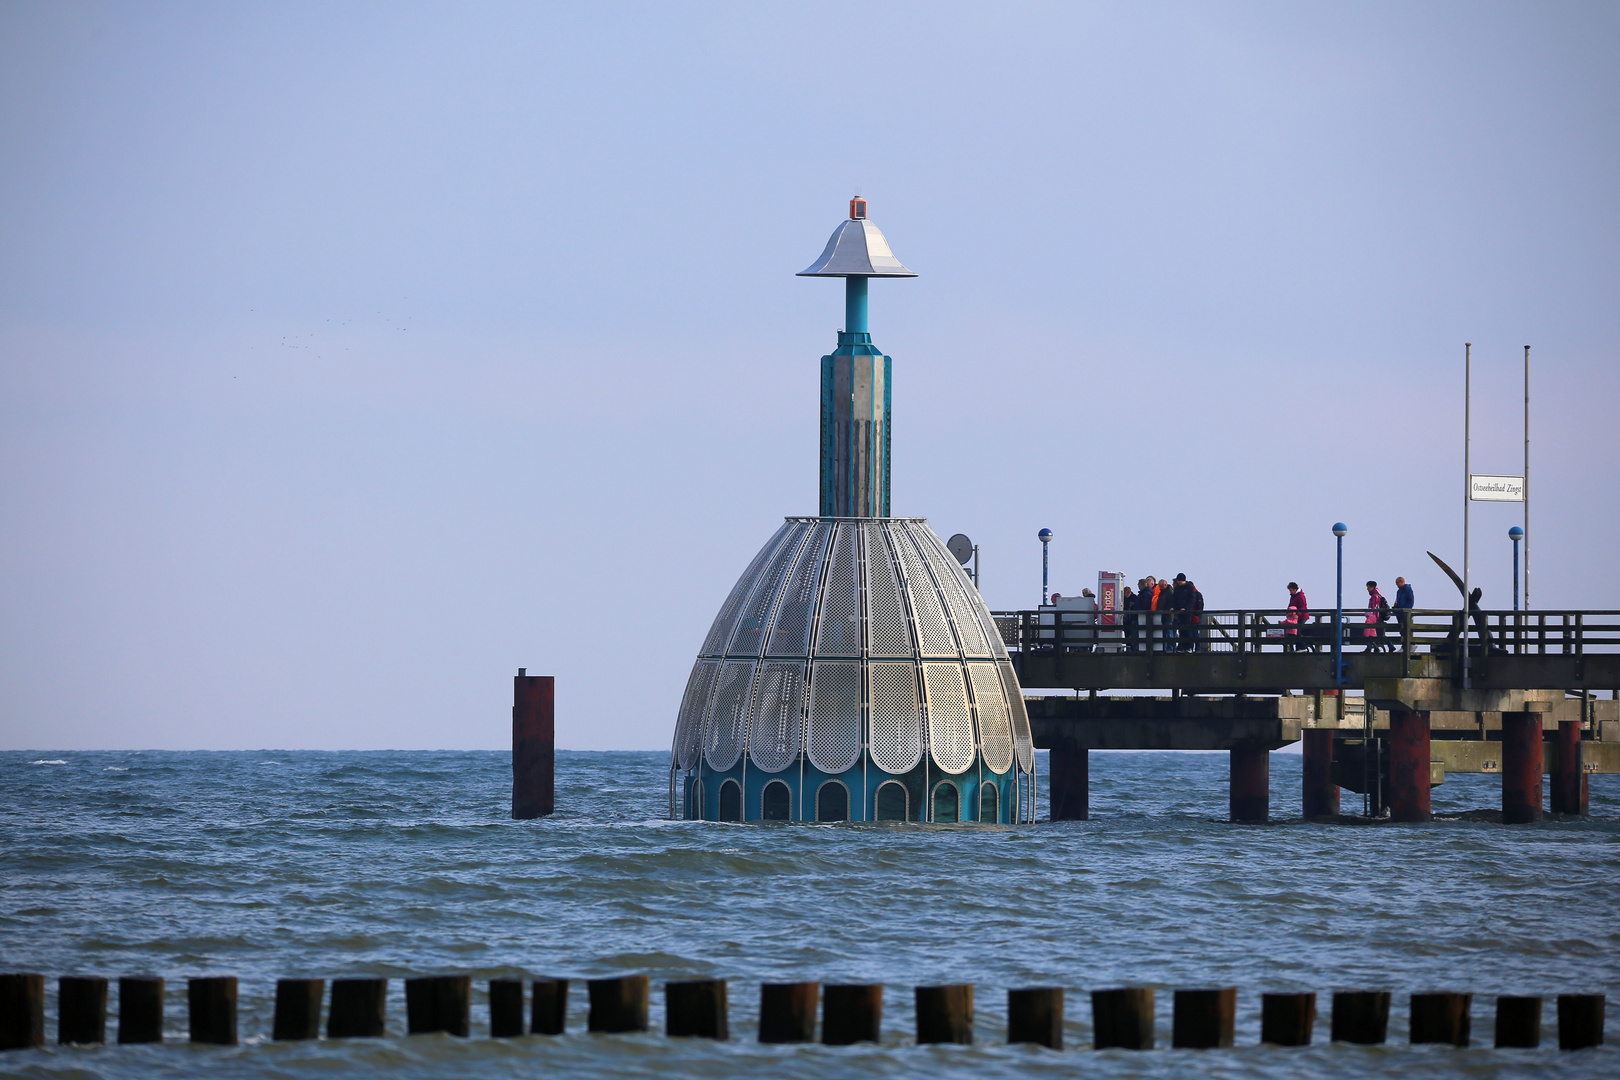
(534, 745)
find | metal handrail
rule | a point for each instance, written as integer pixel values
(1258, 630)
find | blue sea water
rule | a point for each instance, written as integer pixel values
(278, 863)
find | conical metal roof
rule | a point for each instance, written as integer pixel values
(857, 249)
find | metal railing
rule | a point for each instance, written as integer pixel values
(1255, 630)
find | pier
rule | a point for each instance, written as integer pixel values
(1388, 724)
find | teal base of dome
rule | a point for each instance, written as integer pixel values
(862, 793)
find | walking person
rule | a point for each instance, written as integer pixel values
(1298, 612)
(1404, 602)
(1377, 612)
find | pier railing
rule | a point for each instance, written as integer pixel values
(1256, 630)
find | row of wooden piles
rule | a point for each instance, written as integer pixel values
(850, 1014)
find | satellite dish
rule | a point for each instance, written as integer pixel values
(960, 546)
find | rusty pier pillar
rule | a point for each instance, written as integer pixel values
(1251, 784)
(1571, 793)
(534, 745)
(1409, 767)
(1521, 767)
(1069, 783)
(1320, 795)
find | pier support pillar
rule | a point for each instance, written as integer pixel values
(1320, 797)
(1441, 1018)
(1251, 784)
(1570, 786)
(1521, 767)
(619, 1004)
(1069, 783)
(505, 1008)
(1203, 1019)
(1360, 1016)
(534, 744)
(1518, 1021)
(357, 1009)
(1409, 766)
(1122, 1018)
(1287, 1019)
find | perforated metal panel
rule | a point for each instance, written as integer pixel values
(790, 632)
(950, 725)
(933, 632)
(960, 596)
(720, 632)
(896, 720)
(888, 630)
(995, 730)
(1022, 741)
(753, 619)
(689, 724)
(838, 629)
(725, 721)
(835, 715)
(777, 715)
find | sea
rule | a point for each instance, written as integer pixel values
(268, 864)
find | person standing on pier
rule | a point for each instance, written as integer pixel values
(1181, 601)
(1404, 602)
(1298, 612)
(1377, 612)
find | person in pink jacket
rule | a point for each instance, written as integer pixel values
(1377, 612)
(1298, 613)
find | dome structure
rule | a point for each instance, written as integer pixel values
(853, 673)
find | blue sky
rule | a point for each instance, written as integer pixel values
(353, 356)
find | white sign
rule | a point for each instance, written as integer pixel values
(1496, 488)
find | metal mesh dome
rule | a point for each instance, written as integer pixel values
(849, 643)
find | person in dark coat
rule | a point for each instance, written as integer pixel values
(1128, 605)
(1181, 602)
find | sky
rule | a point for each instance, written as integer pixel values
(354, 356)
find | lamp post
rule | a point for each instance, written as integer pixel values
(1515, 534)
(1045, 538)
(1339, 529)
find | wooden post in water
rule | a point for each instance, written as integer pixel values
(211, 1003)
(787, 1012)
(1408, 767)
(619, 1004)
(298, 1009)
(1250, 794)
(1035, 1015)
(1203, 1019)
(435, 1003)
(81, 1009)
(549, 1015)
(852, 1014)
(1122, 1018)
(1580, 1021)
(1069, 783)
(1442, 1017)
(1287, 1019)
(140, 1009)
(1521, 767)
(357, 1009)
(1518, 1021)
(1570, 787)
(697, 1008)
(22, 1011)
(945, 1014)
(505, 1008)
(533, 745)
(1361, 1016)
(1320, 795)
